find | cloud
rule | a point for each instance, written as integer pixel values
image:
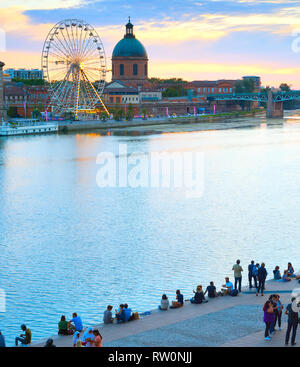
(42, 4)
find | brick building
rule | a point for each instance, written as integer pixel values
(25, 99)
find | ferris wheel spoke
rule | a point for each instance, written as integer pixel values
(62, 48)
(70, 42)
(66, 42)
(87, 46)
(90, 50)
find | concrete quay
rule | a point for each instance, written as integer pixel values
(205, 122)
(224, 321)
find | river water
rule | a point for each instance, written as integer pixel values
(68, 245)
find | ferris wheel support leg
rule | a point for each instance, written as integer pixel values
(77, 94)
(99, 98)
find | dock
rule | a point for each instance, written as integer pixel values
(223, 321)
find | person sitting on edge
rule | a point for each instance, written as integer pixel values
(179, 298)
(63, 326)
(291, 271)
(120, 313)
(24, 338)
(199, 296)
(49, 343)
(276, 272)
(108, 317)
(76, 321)
(227, 287)
(127, 312)
(285, 276)
(164, 303)
(211, 290)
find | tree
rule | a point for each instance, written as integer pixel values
(36, 113)
(144, 113)
(129, 113)
(244, 86)
(12, 111)
(287, 105)
(103, 116)
(29, 81)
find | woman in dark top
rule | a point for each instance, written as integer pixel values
(63, 326)
(261, 275)
(199, 295)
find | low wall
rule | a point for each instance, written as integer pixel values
(67, 126)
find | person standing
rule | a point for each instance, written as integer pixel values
(268, 318)
(98, 339)
(252, 274)
(278, 314)
(237, 270)
(293, 319)
(261, 275)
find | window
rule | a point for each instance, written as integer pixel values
(111, 99)
(121, 69)
(220, 90)
(135, 69)
(204, 90)
(145, 69)
(212, 90)
(118, 99)
(113, 69)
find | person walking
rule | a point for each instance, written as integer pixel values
(268, 318)
(252, 274)
(237, 271)
(293, 319)
(261, 276)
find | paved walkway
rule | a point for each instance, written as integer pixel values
(225, 321)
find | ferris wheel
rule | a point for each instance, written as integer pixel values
(74, 63)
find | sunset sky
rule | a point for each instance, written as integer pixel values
(195, 40)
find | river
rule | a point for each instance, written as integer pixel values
(67, 245)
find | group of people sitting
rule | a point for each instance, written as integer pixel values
(123, 314)
(70, 327)
(288, 274)
(199, 295)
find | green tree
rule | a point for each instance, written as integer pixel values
(244, 86)
(287, 105)
(103, 116)
(12, 111)
(29, 81)
(129, 113)
(144, 113)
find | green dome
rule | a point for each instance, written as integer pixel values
(129, 47)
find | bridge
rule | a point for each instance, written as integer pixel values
(274, 100)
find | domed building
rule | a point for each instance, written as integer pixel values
(130, 59)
